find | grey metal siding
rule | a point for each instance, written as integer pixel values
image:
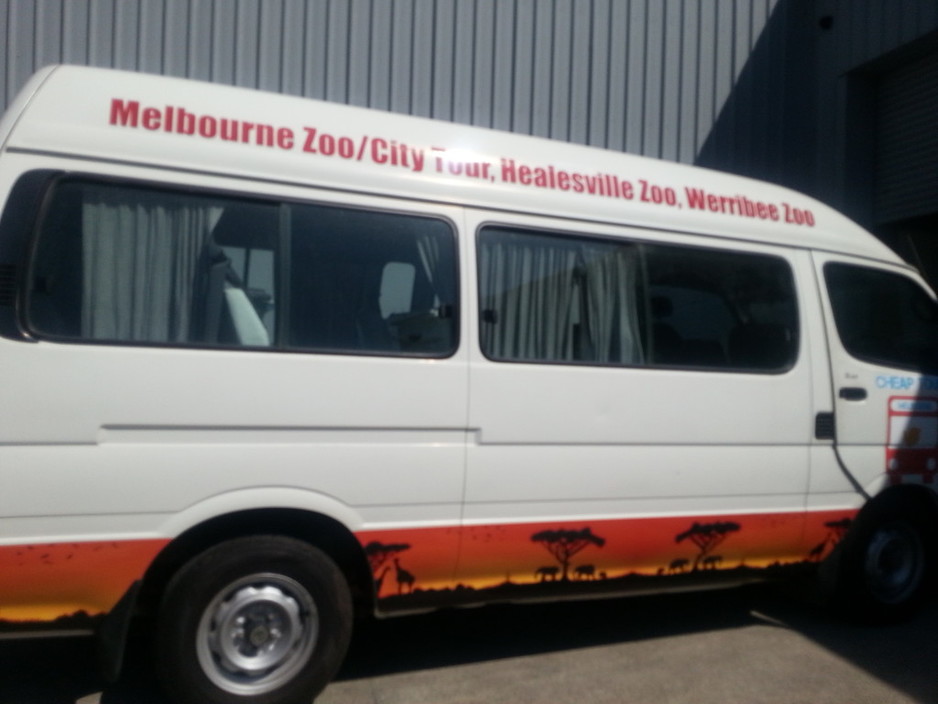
(646, 76)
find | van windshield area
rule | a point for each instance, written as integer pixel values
(883, 317)
(139, 265)
(557, 298)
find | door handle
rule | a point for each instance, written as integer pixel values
(853, 393)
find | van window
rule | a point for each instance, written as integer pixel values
(128, 264)
(883, 317)
(719, 309)
(343, 261)
(557, 298)
(140, 265)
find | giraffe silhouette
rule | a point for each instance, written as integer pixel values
(404, 578)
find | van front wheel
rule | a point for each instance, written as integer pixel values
(886, 564)
(894, 563)
(259, 620)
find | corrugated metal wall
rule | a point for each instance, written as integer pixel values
(752, 86)
(645, 76)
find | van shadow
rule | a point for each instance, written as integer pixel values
(899, 655)
(53, 671)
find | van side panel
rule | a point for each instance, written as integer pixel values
(135, 442)
(707, 438)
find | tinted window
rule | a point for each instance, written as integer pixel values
(719, 309)
(883, 317)
(131, 264)
(556, 298)
(371, 282)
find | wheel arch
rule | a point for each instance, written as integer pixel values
(318, 529)
(917, 497)
(914, 498)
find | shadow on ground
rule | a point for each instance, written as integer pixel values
(55, 671)
(900, 655)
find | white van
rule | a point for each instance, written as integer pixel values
(269, 361)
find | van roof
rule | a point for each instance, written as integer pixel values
(172, 123)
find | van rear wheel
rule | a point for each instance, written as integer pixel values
(258, 620)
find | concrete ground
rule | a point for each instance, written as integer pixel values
(757, 645)
(752, 646)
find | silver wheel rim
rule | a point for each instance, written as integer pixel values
(894, 563)
(257, 634)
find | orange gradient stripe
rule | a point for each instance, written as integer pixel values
(43, 582)
(488, 555)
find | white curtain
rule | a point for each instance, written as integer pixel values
(612, 314)
(529, 298)
(141, 253)
(558, 299)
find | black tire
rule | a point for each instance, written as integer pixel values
(258, 620)
(886, 564)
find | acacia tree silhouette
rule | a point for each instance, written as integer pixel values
(564, 544)
(706, 536)
(379, 553)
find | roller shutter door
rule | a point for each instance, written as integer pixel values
(907, 142)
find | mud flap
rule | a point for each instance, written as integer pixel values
(112, 634)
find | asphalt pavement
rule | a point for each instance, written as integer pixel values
(756, 645)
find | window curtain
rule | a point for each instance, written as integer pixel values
(529, 297)
(611, 304)
(141, 253)
(558, 299)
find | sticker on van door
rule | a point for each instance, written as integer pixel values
(412, 567)
(912, 447)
